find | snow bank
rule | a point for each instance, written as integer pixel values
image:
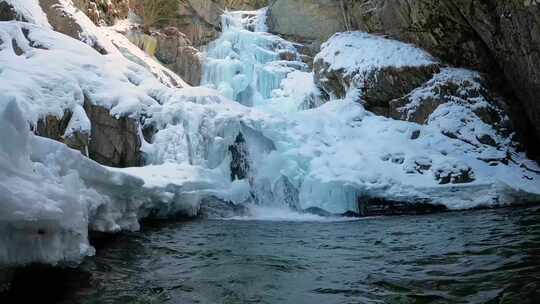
(52, 195)
(55, 73)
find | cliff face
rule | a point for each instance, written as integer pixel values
(501, 38)
(200, 20)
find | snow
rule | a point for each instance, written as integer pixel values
(30, 11)
(51, 195)
(340, 153)
(79, 122)
(357, 52)
(44, 84)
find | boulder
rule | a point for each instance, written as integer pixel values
(375, 69)
(457, 86)
(240, 158)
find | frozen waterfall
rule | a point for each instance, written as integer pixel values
(246, 64)
(335, 156)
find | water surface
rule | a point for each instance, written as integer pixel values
(485, 256)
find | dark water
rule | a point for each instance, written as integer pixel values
(487, 256)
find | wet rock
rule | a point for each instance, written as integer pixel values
(215, 208)
(350, 214)
(286, 193)
(379, 206)
(316, 211)
(240, 158)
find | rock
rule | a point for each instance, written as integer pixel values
(175, 51)
(172, 49)
(200, 20)
(65, 23)
(459, 103)
(7, 12)
(310, 22)
(55, 128)
(145, 42)
(215, 208)
(316, 211)
(379, 206)
(454, 173)
(450, 86)
(104, 12)
(350, 214)
(240, 158)
(114, 142)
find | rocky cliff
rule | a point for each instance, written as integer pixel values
(501, 38)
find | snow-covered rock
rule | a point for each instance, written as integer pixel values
(458, 103)
(23, 10)
(373, 68)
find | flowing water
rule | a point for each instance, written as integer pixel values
(484, 256)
